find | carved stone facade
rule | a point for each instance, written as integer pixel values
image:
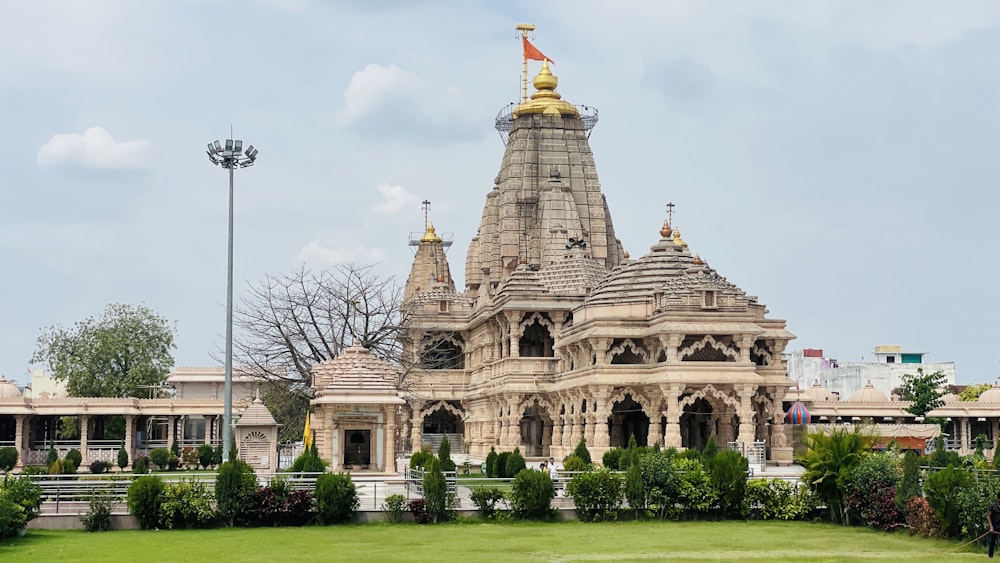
(560, 336)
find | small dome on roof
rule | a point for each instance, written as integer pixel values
(820, 394)
(869, 394)
(951, 398)
(8, 390)
(991, 395)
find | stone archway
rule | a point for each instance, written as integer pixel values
(696, 424)
(535, 426)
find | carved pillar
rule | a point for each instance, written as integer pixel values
(513, 424)
(19, 440)
(513, 319)
(130, 439)
(602, 437)
(416, 427)
(84, 425)
(573, 436)
(746, 343)
(672, 433)
(653, 435)
(778, 437)
(670, 343)
(601, 350)
(747, 429)
(389, 463)
(171, 428)
(557, 432)
(208, 428)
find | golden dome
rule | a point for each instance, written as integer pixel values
(430, 235)
(678, 240)
(546, 100)
(665, 230)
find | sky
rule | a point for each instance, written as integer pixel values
(835, 159)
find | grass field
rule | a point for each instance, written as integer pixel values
(463, 542)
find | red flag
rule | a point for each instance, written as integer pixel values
(532, 53)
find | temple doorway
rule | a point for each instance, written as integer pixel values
(357, 448)
(696, 424)
(627, 420)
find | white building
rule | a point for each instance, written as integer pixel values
(885, 372)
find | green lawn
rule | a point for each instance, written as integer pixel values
(464, 542)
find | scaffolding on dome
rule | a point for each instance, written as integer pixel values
(505, 117)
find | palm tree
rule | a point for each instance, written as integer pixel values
(828, 460)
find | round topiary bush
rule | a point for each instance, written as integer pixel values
(531, 495)
(145, 496)
(336, 498)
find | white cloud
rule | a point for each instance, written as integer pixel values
(314, 253)
(395, 199)
(375, 86)
(94, 148)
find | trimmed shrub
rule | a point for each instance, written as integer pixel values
(98, 516)
(501, 469)
(24, 493)
(98, 466)
(612, 458)
(308, 462)
(728, 470)
(710, 450)
(776, 499)
(299, 508)
(187, 504)
(922, 519)
(941, 456)
(635, 491)
(438, 501)
(490, 466)
(531, 495)
(74, 456)
(234, 489)
(8, 458)
(597, 494)
(394, 507)
(574, 463)
(515, 463)
(582, 452)
(419, 459)
(870, 489)
(696, 492)
(941, 491)
(336, 498)
(662, 483)
(122, 458)
(175, 449)
(486, 499)
(909, 483)
(418, 507)
(51, 457)
(161, 457)
(145, 496)
(141, 465)
(444, 455)
(206, 456)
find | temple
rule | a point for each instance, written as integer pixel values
(559, 335)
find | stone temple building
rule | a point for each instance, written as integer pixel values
(559, 335)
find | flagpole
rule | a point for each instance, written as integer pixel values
(524, 28)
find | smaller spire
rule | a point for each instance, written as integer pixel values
(665, 230)
(678, 240)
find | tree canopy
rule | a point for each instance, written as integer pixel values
(119, 353)
(925, 390)
(972, 392)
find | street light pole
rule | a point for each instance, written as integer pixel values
(229, 157)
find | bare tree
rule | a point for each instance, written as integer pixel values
(290, 322)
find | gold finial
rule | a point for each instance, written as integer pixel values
(627, 255)
(678, 240)
(665, 230)
(430, 235)
(546, 100)
(697, 260)
(523, 260)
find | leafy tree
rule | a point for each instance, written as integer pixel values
(924, 390)
(909, 483)
(116, 354)
(729, 470)
(972, 392)
(942, 492)
(831, 455)
(293, 321)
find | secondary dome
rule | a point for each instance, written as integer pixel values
(820, 394)
(8, 390)
(869, 394)
(991, 395)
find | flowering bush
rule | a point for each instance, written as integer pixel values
(922, 519)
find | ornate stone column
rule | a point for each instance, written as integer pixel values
(602, 437)
(130, 439)
(172, 428)
(84, 431)
(557, 433)
(390, 439)
(416, 428)
(653, 434)
(747, 428)
(778, 437)
(670, 344)
(19, 440)
(671, 398)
